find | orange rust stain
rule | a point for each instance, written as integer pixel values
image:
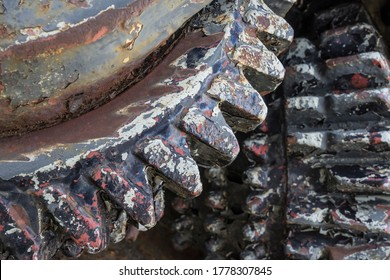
(359, 81)
(102, 31)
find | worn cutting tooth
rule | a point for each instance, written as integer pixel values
(23, 221)
(257, 177)
(369, 106)
(79, 210)
(350, 40)
(369, 214)
(366, 70)
(243, 107)
(369, 179)
(261, 66)
(171, 157)
(272, 30)
(372, 251)
(211, 140)
(337, 141)
(134, 188)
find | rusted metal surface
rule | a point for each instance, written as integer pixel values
(119, 158)
(60, 59)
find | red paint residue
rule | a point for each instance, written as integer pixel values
(293, 215)
(377, 63)
(101, 32)
(139, 184)
(359, 81)
(180, 151)
(259, 150)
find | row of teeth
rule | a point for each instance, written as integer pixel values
(132, 179)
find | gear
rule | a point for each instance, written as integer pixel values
(77, 185)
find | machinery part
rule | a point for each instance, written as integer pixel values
(89, 178)
(318, 180)
(337, 122)
(217, 221)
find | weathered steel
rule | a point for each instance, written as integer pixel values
(60, 59)
(120, 156)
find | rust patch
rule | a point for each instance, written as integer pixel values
(83, 34)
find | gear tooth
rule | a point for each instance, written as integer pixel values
(211, 140)
(365, 70)
(257, 177)
(337, 145)
(242, 105)
(129, 187)
(339, 16)
(216, 200)
(339, 43)
(367, 214)
(256, 148)
(172, 159)
(272, 30)
(24, 223)
(78, 210)
(261, 66)
(369, 179)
